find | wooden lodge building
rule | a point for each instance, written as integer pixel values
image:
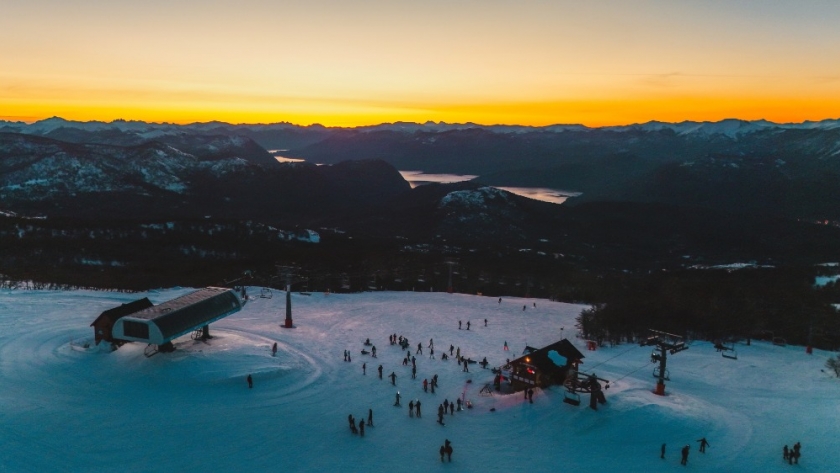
(160, 324)
(104, 324)
(539, 368)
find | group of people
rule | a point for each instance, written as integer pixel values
(361, 430)
(791, 455)
(686, 449)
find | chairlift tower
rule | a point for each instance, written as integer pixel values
(288, 272)
(664, 342)
(450, 263)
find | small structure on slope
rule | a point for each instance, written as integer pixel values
(159, 325)
(544, 366)
(104, 324)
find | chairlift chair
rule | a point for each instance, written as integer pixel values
(729, 352)
(571, 397)
(656, 373)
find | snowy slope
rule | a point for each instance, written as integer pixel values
(68, 410)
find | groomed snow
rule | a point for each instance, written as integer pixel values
(66, 409)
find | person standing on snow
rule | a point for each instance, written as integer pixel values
(425, 385)
(397, 402)
(703, 444)
(393, 377)
(364, 368)
(370, 418)
(362, 427)
(684, 452)
(419, 349)
(250, 381)
(410, 408)
(662, 452)
(417, 408)
(468, 324)
(448, 449)
(380, 371)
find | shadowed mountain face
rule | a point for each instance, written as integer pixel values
(654, 196)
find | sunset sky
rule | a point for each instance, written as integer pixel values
(358, 62)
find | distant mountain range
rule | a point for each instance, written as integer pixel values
(789, 170)
(138, 197)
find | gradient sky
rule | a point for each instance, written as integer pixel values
(355, 62)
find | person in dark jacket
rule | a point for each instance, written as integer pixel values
(380, 371)
(250, 381)
(662, 452)
(442, 451)
(684, 452)
(417, 408)
(370, 418)
(410, 408)
(362, 427)
(448, 449)
(703, 444)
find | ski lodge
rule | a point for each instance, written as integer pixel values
(158, 325)
(545, 366)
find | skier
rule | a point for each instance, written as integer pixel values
(530, 395)
(397, 402)
(448, 449)
(662, 451)
(468, 324)
(440, 414)
(500, 300)
(458, 400)
(442, 451)
(452, 408)
(380, 371)
(458, 353)
(466, 365)
(425, 385)
(352, 422)
(431, 343)
(524, 307)
(417, 408)
(419, 349)
(364, 368)
(431, 353)
(485, 322)
(785, 454)
(703, 444)
(413, 372)
(373, 351)
(393, 377)
(370, 418)
(362, 427)
(459, 325)
(274, 349)
(434, 381)
(535, 305)
(250, 381)
(445, 405)
(410, 408)
(506, 346)
(450, 349)
(796, 453)
(684, 451)
(345, 355)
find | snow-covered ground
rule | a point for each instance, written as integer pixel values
(62, 409)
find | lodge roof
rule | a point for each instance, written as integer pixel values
(539, 358)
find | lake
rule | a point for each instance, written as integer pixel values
(554, 196)
(418, 178)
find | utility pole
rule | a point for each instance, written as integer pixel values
(665, 342)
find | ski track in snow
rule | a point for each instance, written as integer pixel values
(68, 410)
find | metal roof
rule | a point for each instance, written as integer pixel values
(190, 311)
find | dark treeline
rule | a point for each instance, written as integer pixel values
(720, 304)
